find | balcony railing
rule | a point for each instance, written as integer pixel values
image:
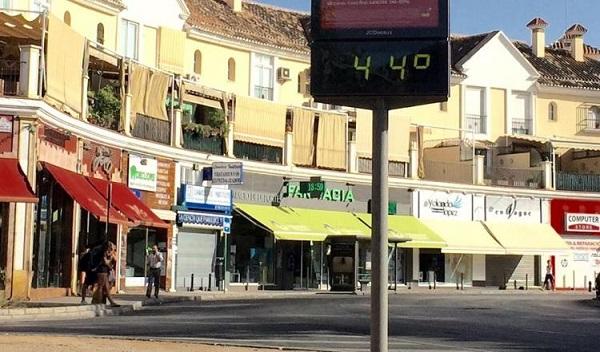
(9, 77)
(210, 145)
(476, 123)
(455, 172)
(152, 129)
(566, 181)
(522, 126)
(263, 92)
(522, 178)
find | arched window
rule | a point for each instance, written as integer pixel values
(552, 111)
(197, 62)
(100, 33)
(231, 69)
(67, 18)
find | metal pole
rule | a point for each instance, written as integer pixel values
(379, 238)
(396, 266)
(301, 263)
(109, 201)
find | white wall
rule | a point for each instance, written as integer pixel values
(154, 13)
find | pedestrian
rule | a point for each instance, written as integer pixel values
(107, 264)
(154, 262)
(549, 279)
(598, 287)
(87, 278)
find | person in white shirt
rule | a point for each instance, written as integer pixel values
(154, 262)
(549, 279)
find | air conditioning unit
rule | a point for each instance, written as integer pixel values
(283, 74)
(191, 77)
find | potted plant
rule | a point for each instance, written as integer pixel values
(105, 108)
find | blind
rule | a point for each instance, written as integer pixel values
(171, 52)
(304, 148)
(332, 141)
(398, 135)
(259, 121)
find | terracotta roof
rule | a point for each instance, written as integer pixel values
(537, 22)
(256, 23)
(559, 69)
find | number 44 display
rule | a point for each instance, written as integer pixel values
(419, 62)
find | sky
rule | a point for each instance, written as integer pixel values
(509, 16)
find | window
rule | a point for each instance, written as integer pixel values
(67, 18)
(593, 117)
(521, 117)
(304, 82)
(475, 110)
(5, 4)
(100, 33)
(552, 111)
(263, 77)
(231, 69)
(129, 39)
(197, 62)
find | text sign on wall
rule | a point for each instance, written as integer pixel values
(512, 209)
(206, 198)
(142, 173)
(442, 205)
(228, 173)
(589, 223)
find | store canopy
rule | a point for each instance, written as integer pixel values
(285, 223)
(402, 228)
(14, 186)
(465, 237)
(527, 239)
(21, 29)
(78, 188)
(125, 201)
(335, 223)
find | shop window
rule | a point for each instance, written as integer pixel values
(197, 62)
(67, 18)
(231, 69)
(100, 33)
(552, 111)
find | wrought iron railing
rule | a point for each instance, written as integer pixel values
(522, 178)
(522, 126)
(567, 181)
(9, 77)
(211, 145)
(477, 123)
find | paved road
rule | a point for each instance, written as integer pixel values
(423, 322)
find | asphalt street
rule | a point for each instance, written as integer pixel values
(327, 322)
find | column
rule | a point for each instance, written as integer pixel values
(414, 160)
(288, 149)
(29, 72)
(479, 270)
(230, 129)
(84, 97)
(415, 265)
(352, 157)
(176, 140)
(479, 170)
(76, 226)
(127, 115)
(548, 174)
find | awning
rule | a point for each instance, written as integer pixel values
(85, 194)
(21, 30)
(562, 146)
(527, 239)
(14, 186)
(124, 200)
(335, 223)
(401, 227)
(465, 237)
(283, 222)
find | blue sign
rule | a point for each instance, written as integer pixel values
(206, 198)
(227, 225)
(201, 219)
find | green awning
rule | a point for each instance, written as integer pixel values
(285, 223)
(408, 227)
(335, 223)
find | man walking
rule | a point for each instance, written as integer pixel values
(154, 263)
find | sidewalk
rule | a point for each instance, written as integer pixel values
(64, 308)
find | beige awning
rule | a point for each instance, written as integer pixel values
(304, 129)
(562, 146)
(331, 141)
(399, 135)
(171, 50)
(205, 96)
(149, 90)
(18, 29)
(259, 121)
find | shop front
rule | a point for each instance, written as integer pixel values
(578, 223)
(203, 222)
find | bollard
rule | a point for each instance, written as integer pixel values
(184, 284)
(515, 284)
(526, 282)
(590, 286)
(247, 278)
(584, 281)
(573, 288)
(457, 279)
(209, 282)
(564, 281)
(201, 284)
(410, 285)
(504, 280)
(192, 283)
(434, 280)
(462, 281)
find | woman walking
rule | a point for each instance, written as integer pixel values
(107, 264)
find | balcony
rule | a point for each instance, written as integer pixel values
(206, 144)
(9, 77)
(152, 129)
(567, 181)
(454, 172)
(588, 118)
(477, 123)
(522, 126)
(512, 177)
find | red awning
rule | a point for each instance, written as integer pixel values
(124, 200)
(85, 194)
(14, 186)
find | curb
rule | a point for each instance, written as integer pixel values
(65, 312)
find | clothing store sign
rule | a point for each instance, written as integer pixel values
(509, 209)
(442, 205)
(206, 198)
(142, 173)
(588, 223)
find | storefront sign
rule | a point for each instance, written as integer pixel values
(255, 197)
(99, 160)
(589, 223)
(142, 173)
(442, 205)
(59, 138)
(6, 124)
(206, 198)
(185, 218)
(228, 173)
(513, 209)
(330, 194)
